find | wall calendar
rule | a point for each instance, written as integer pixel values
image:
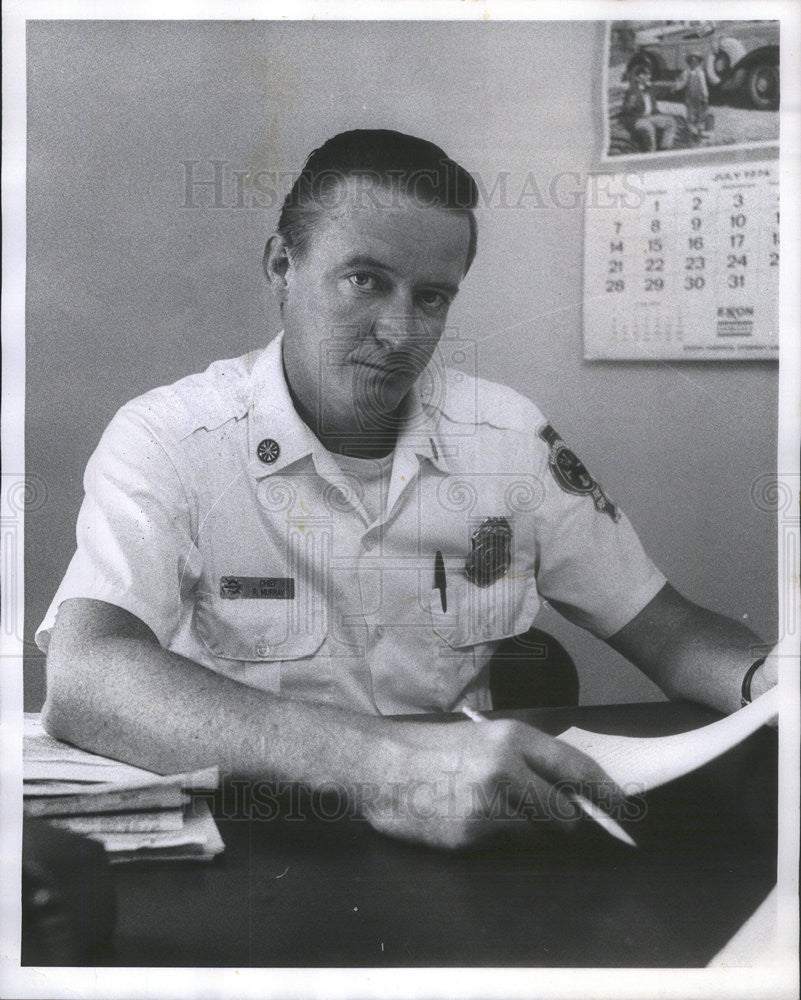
(683, 263)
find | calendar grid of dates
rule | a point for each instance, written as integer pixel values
(683, 264)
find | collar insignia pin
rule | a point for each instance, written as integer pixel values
(268, 451)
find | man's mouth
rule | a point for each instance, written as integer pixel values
(385, 369)
(401, 364)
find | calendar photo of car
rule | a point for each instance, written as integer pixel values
(679, 86)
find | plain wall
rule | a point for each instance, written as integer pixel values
(128, 289)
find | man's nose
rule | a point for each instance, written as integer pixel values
(398, 324)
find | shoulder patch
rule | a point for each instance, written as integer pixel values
(571, 474)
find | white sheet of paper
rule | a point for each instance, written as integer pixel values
(127, 822)
(648, 762)
(198, 830)
(206, 780)
(76, 771)
(43, 789)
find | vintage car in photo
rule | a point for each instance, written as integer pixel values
(738, 55)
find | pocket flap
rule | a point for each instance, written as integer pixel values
(258, 629)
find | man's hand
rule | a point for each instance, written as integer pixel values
(455, 784)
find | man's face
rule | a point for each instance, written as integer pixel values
(643, 79)
(365, 306)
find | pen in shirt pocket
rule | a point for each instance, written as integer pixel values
(440, 582)
(589, 808)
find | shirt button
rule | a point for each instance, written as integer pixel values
(262, 649)
(367, 543)
(379, 632)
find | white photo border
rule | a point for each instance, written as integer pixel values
(777, 979)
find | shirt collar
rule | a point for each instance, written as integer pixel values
(274, 423)
(421, 431)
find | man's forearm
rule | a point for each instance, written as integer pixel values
(691, 652)
(130, 699)
(709, 662)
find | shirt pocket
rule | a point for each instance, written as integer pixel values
(475, 615)
(254, 630)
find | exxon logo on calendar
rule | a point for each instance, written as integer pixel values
(735, 321)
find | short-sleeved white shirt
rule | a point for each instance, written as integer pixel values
(182, 519)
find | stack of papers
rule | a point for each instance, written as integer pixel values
(135, 814)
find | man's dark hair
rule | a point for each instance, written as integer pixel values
(384, 159)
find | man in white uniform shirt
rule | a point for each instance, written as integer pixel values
(278, 553)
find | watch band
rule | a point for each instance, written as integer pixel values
(745, 692)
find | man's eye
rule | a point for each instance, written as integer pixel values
(434, 300)
(366, 282)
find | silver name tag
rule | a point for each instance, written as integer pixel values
(270, 588)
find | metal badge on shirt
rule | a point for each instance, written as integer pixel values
(571, 474)
(490, 552)
(276, 588)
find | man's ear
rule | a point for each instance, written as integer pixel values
(276, 263)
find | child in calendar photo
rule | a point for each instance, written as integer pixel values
(693, 84)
